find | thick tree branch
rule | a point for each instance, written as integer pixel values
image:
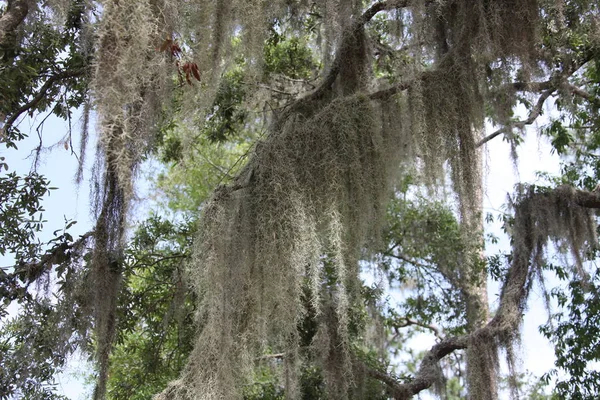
(347, 41)
(529, 86)
(10, 121)
(587, 199)
(427, 373)
(15, 14)
(581, 93)
(386, 93)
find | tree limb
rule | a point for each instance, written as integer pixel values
(581, 92)
(427, 373)
(386, 93)
(41, 94)
(586, 199)
(557, 81)
(347, 40)
(533, 114)
(30, 272)
(408, 321)
(513, 296)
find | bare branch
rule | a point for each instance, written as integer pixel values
(270, 88)
(408, 321)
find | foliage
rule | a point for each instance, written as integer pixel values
(425, 250)
(226, 117)
(29, 361)
(288, 56)
(155, 311)
(574, 333)
(21, 213)
(45, 70)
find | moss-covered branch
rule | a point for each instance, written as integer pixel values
(15, 13)
(533, 227)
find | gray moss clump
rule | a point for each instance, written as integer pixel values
(312, 195)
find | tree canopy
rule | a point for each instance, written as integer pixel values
(300, 145)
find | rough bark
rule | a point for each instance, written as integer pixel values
(15, 14)
(481, 374)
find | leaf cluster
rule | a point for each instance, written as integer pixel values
(43, 53)
(155, 310)
(575, 333)
(21, 213)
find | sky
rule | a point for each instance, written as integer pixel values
(71, 202)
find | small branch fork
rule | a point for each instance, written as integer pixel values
(408, 321)
(556, 82)
(533, 115)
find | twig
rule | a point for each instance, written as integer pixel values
(407, 321)
(272, 89)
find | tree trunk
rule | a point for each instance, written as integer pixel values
(481, 355)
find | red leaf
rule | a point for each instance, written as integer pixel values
(196, 71)
(175, 49)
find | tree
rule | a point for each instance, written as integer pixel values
(343, 96)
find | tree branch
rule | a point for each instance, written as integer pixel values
(580, 92)
(533, 114)
(40, 94)
(586, 199)
(386, 93)
(514, 294)
(347, 39)
(407, 321)
(427, 373)
(557, 80)
(30, 272)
